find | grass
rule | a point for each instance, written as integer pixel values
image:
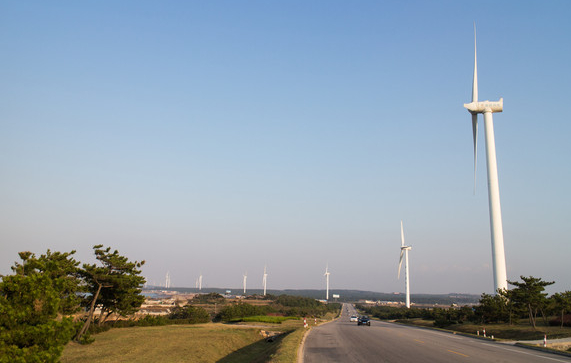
(218, 342)
(212, 342)
(287, 351)
(173, 343)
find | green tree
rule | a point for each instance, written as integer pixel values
(562, 303)
(62, 269)
(529, 295)
(513, 309)
(31, 303)
(114, 286)
(492, 309)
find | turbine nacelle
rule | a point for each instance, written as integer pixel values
(485, 106)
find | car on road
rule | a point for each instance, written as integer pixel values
(354, 318)
(364, 320)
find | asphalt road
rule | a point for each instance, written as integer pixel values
(344, 341)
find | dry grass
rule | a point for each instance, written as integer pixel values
(173, 343)
(210, 342)
(559, 346)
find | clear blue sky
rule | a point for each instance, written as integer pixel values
(216, 136)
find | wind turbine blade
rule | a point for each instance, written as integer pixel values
(475, 135)
(400, 262)
(401, 235)
(475, 80)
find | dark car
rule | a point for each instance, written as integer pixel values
(364, 320)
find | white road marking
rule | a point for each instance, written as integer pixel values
(522, 352)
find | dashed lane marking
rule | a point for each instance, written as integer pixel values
(463, 355)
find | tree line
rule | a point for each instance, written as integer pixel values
(526, 300)
(283, 305)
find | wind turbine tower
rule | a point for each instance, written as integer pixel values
(168, 280)
(327, 273)
(265, 279)
(245, 276)
(200, 282)
(488, 108)
(404, 251)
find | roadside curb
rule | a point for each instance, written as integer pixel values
(301, 348)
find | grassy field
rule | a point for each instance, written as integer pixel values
(241, 342)
(212, 342)
(174, 343)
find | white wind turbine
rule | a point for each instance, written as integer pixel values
(404, 251)
(265, 280)
(488, 108)
(245, 276)
(168, 280)
(327, 273)
(200, 282)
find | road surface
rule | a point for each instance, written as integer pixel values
(345, 341)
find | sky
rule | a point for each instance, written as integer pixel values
(216, 137)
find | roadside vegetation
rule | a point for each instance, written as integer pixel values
(52, 299)
(211, 342)
(40, 301)
(173, 343)
(523, 313)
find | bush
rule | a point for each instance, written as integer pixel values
(241, 310)
(190, 314)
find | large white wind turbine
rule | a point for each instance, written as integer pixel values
(404, 251)
(200, 282)
(245, 276)
(488, 108)
(265, 279)
(327, 273)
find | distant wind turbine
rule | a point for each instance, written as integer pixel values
(327, 273)
(496, 229)
(245, 276)
(265, 279)
(404, 251)
(200, 282)
(168, 280)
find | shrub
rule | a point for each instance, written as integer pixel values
(190, 314)
(241, 310)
